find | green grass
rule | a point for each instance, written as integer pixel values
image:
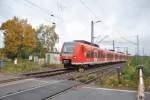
(21, 67)
(147, 73)
(130, 75)
(24, 66)
(88, 77)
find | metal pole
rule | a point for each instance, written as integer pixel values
(137, 45)
(143, 51)
(127, 50)
(137, 62)
(113, 45)
(92, 32)
(140, 95)
(143, 56)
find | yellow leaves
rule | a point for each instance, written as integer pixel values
(1, 54)
(29, 37)
(19, 36)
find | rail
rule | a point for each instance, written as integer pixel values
(48, 73)
(80, 84)
(140, 95)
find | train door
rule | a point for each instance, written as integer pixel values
(95, 55)
(106, 56)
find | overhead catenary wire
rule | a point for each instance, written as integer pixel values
(7, 9)
(47, 12)
(59, 9)
(30, 4)
(37, 6)
(129, 41)
(98, 42)
(88, 8)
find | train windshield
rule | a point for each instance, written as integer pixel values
(68, 47)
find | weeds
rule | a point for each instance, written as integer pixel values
(25, 66)
(88, 77)
(130, 75)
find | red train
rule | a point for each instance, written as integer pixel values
(80, 53)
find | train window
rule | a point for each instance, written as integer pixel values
(109, 55)
(99, 54)
(82, 48)
(88, 54)
(103, 55)
(68, 47)
(91, 54)
(116, 56)
(95, 55)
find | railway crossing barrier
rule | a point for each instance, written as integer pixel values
(140, 95)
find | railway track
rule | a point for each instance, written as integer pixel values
(62, 73)
(39, 74)
(72, 81)
(48, 73)
(99, 71)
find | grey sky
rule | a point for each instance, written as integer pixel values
(120, 18)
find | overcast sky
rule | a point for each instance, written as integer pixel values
(121, 20)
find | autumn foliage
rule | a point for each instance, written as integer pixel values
(1, 54)
(22, 40)
(19, 37)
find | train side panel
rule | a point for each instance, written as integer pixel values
(77, 53)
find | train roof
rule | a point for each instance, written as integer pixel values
(86, 42)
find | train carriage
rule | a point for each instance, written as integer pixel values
(82, 53)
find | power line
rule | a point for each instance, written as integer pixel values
(83, 3)
(59, 8)
(97, 38)
(129, 41)
(29, 5)
(47, 12)
(7, 10)
(98, 42)
(37, 6)
(115, 42)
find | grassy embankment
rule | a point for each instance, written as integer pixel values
(129, 79)
(24, 66)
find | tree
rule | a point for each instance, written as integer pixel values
(1, 53)
(19, 37)
(47, 37)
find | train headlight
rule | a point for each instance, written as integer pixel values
(74, 57)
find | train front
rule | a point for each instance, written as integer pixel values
(66, 55)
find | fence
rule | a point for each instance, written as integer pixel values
(53, 58)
